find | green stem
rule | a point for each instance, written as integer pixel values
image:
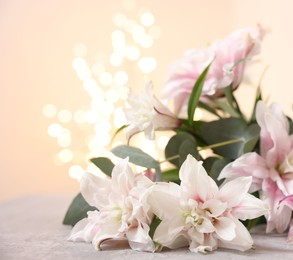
(212, 146)
(170, 158)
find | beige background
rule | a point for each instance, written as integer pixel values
(36, 42)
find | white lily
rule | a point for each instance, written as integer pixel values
(147, 114)
(199, 214)
(123, 212)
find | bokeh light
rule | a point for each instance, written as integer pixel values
(49, 110)
(147, 64)
(106, 82)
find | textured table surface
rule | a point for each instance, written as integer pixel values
(31, 228)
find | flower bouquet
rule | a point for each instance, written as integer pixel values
(226, 174)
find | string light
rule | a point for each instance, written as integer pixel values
(106, 87)
(49, 110)
(147, 64)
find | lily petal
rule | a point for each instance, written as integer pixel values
(195, 180)
(242, 240)
(139, 239)
(233, 191)
(95, 190)
(225, 228)
(250, 207)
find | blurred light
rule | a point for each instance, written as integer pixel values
(162, 141)
(120, 20)
(147, 41)
(147, 19)
(112, 95)
(76, 172)
(91, 116)
(90, 84)
(55, 130)
(81, 68)
(65, 155)
(132, 53)
(103, 126)
(121, 77)
(49, 110)
(118, 40)
(119, 117)
(149, 147)
(103, 139)
(105, 78)
(147, 64)
(155, 32)
(130, 25)
(98, 68)
(129, 4)
(79, 116)
(116, 59)
(123, 92)
(138, 33)
(79, 50)
(64, 116)
(107, 108)
(197, 115)
(64, 140)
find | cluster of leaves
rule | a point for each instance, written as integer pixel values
(229, 136)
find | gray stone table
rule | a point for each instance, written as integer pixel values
(31, 228)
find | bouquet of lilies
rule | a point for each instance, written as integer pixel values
(203, 200)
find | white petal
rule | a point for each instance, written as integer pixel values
(233, 191)
(169, 234)
(242, 240)
(123, 179)
(225, 228)
(164, 200)
(95, 189)
(86, 229)
(195, 180)
(214, 207)
(139, 238)
(206, 226)
(209, 244)
(250, 207)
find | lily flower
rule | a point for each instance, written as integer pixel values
(199, 214)
(228, 58)
(272, 169)
(147, 114)
(122, 212)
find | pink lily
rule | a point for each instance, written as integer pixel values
(227, 66)
(272, 170)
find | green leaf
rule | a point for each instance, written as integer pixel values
(228, 129)
(172, 149)
(77, 210)
(290, 125)
(171, 175)
(258, 97)
(136, 156)
(195, 94)
(217, 167)
(232, 101)
(118, 131)
(153, 226)
(186, 148)
(225, 106)
(251, 137)
(208, 108)
(104, 164)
